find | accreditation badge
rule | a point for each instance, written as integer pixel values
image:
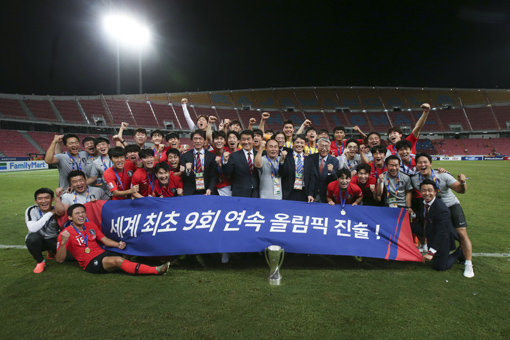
(277, 187)
(392, 202)
(298, 182)
(199, 181)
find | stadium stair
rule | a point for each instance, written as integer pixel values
(56, 111)
(27, 110)
(32, 141)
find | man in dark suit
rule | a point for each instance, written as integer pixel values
(239, 166)
(297, 173)
(437, 228)
(200, 174)
(326, 167)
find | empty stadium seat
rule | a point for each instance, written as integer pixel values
(14, 144)
(11, 108)
(69, 111)
(143, 114)
(41, 109)
(481, 118)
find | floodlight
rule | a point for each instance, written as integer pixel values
(126, 30)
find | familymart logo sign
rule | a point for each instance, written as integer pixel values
(22, 166)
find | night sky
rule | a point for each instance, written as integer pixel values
(59, 47)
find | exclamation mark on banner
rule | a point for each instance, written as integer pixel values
(377, 231)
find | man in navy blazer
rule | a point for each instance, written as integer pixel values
(326, 167)
(201, 172)
(298, 183)
(437, 228)
(240, 167)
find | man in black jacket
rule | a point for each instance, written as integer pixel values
(297, 173)
(437, 228)
(200, 174)
(239, 166)
(326, 167)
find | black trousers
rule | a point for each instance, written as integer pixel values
(443, 260)
(36, 244)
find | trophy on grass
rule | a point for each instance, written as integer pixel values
(274, 257)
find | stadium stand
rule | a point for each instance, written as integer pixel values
(414, 96)
(11, 108)
(453, 117)
(41, 109)
(337, 119)
(227, 114)
(392, 98)
(143, 114)
(307, 99)
(502, 114)
(245, 116)
(198, 98)
(349, 98)
(285, 98)
(501, 145)
(402, 118)
(328, 98)
(318, 120)
(498, 96)
(443, 98)
(433, 122)
(450, 147)
(42, 138)
(481, 118)
(369, 98)
(472, 97)
(14, 144)
(167, 114)
(120, 112)
(379, 121)
(426, 145)
(94, 109)
(242, 98)
(477, 146)
(69, 111)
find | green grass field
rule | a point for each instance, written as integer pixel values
(320, 296)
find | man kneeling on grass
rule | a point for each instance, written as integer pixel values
(81, 240)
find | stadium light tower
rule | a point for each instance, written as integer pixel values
(126, 31)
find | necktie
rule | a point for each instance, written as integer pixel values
(299, 165)
(321, 167)
(250, 163)
(198, 166)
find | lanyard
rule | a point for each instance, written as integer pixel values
(219, 167)
(78, 165)
(104, 164)
(433, 175)
(349, 163)
(84, 237)
(151, 183)
(86, 197)
(338, 149)
(310, 149)
(288, 144)
(274, 170)
(375, 169)
(388, 186)
(118, 178)
(344, 200)
(40, 212)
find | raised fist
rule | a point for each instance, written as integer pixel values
(425, 107)
(226, 122)
(65, 234)
(263, 144)
(265, 115)
(59, 192)
(330, 167)
(308, 122)
(381, 177)
(184, 101)
(218, 160)
(189, 166)
(372, 187)
(161, 147)
(226, 155)
(253, 121)
(58, 138)
(181, 168)
(283, 154)
(124, 125)
(212, 119)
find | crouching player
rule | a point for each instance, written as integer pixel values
(81, 240)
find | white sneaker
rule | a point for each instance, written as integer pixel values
(468, 271)
(225, 257)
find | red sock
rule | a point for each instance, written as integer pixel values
(137, 268)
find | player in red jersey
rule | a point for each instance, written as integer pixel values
(81, 240)
(377, 165)
(118, 177)
(395, 133)
(167, 183)
(366, 183)
(407, 158)
(145, 177)
(342, 191)
(338, 144)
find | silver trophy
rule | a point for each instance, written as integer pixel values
(274, 257)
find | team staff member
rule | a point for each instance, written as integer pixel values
(81, 240)
(297, 173)
(102, 162)
(240, 168)
(446, 183)
(270, 181)
(42, 227)
(394, 187)
(326, 167)
(118, 177)
(438, 228)
(80, 192)
(72, 159)
(200, 174)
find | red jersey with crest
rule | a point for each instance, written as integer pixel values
(112, 181)
(353, 192)
(76, 244)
